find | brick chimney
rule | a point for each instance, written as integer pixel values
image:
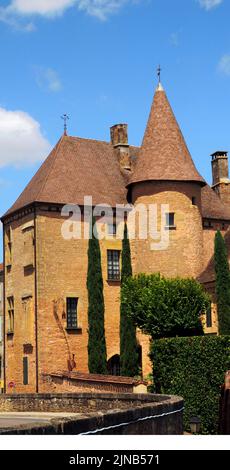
(119, 140)
(220, 175)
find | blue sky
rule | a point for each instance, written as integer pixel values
(97, 60)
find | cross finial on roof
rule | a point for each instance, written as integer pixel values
(159, 70)
(65, 118)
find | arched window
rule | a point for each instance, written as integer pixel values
(113, 365)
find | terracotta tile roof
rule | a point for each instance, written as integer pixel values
(1, 267)
(164, 154)
(98, 377)
(79, 167)
(212, 206)
(76, 168)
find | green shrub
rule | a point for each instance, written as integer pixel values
(164, 307)
(193, 368)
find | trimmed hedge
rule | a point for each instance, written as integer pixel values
(193, 368)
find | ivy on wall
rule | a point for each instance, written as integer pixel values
(193, 368)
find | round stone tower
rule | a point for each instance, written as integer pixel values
(165, 188)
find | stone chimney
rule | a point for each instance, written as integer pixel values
(220, 175)
(119, 140)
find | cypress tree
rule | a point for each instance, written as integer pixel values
(128, 342)
(97, 362)
(222, 284)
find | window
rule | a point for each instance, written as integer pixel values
(27, 319)
(113, 259)
(208, 224)
(193, 201)
(112, 229)
(8, 241)
(28, 239)
(25, 371)
(10, 302)
(170, 219)
(209, 316)
(71, 312)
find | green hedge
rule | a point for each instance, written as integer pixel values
(193, 368)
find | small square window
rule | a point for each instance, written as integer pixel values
(71, 305)
(170, 220)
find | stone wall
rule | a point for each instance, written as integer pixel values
(184, 254)
(44, 270)
(64, 382)
(20, 341)
(99, 414)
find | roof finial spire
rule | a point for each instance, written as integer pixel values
(159, 86)
(159, 70)
(65, 118)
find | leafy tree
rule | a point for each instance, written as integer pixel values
(128, 342)
(222, 284)
(96, 332)
(164, 307)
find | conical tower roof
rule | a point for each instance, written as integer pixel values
(164, 154)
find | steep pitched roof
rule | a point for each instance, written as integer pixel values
(76, 168)
(212, 206)
(164, 154)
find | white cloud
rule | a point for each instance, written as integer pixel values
(209, 4)
(100, 8)
(14, 22)
(224, 64)
(21, 140)
(40, 7)
(21, 9)
(48, 79)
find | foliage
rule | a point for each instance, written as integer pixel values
(128, 342)
(222, 284)
(193, 368)
(165, 307)
(96, 333)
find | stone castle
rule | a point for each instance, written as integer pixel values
(45, 293)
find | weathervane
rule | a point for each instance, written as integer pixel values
(159, 70)
(65, 118)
